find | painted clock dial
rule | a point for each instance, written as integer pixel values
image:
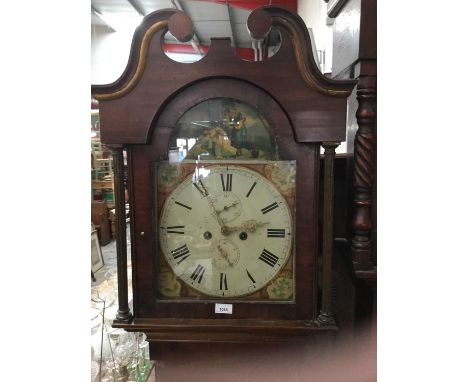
(226, 231)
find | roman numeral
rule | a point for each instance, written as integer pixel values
(251, 188)
(223, 281)
(183, 205)
(228, 185)
(268, 258)
(269, 208)
(201, 187)
(180, 253)
(176, 229)
(271, 232)
(250, 276)
(198, 273)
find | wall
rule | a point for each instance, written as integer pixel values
(109, 53)
(314, 14)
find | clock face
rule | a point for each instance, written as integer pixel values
(226, 231)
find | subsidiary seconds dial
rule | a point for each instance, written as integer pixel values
(226, 233)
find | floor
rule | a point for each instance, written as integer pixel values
(106, 277)
(104, 305)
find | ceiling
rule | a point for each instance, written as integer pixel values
(211, 18)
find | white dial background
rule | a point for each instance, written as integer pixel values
(257, 237)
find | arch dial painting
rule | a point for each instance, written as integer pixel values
(224, 128)
(226, 230)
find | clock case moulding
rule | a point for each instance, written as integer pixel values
(138, 112)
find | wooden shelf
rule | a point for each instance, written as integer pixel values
(103, 184)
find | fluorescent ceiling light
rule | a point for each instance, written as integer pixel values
(120, 22)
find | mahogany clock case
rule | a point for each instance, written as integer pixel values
(303, 107)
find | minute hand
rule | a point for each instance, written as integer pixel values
(217, 213)
(204, 192)
(249, 226)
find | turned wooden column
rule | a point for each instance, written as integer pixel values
(364, 172)
(326, 317)
(123, 313)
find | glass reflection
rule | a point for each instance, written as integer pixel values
(223, 128)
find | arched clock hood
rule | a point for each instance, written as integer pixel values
(315, 104)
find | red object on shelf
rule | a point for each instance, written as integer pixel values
(253, 4)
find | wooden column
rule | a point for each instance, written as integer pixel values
(326, 317)
(123, 313)
(364, 172)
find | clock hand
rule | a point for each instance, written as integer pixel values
(249, 226)
(225, 208)
(218, 218)
(204, 191)
(252, 225)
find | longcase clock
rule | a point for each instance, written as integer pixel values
(223, 159)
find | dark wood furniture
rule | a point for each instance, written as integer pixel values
(305, 109)
(355, 56)
(100, 219)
